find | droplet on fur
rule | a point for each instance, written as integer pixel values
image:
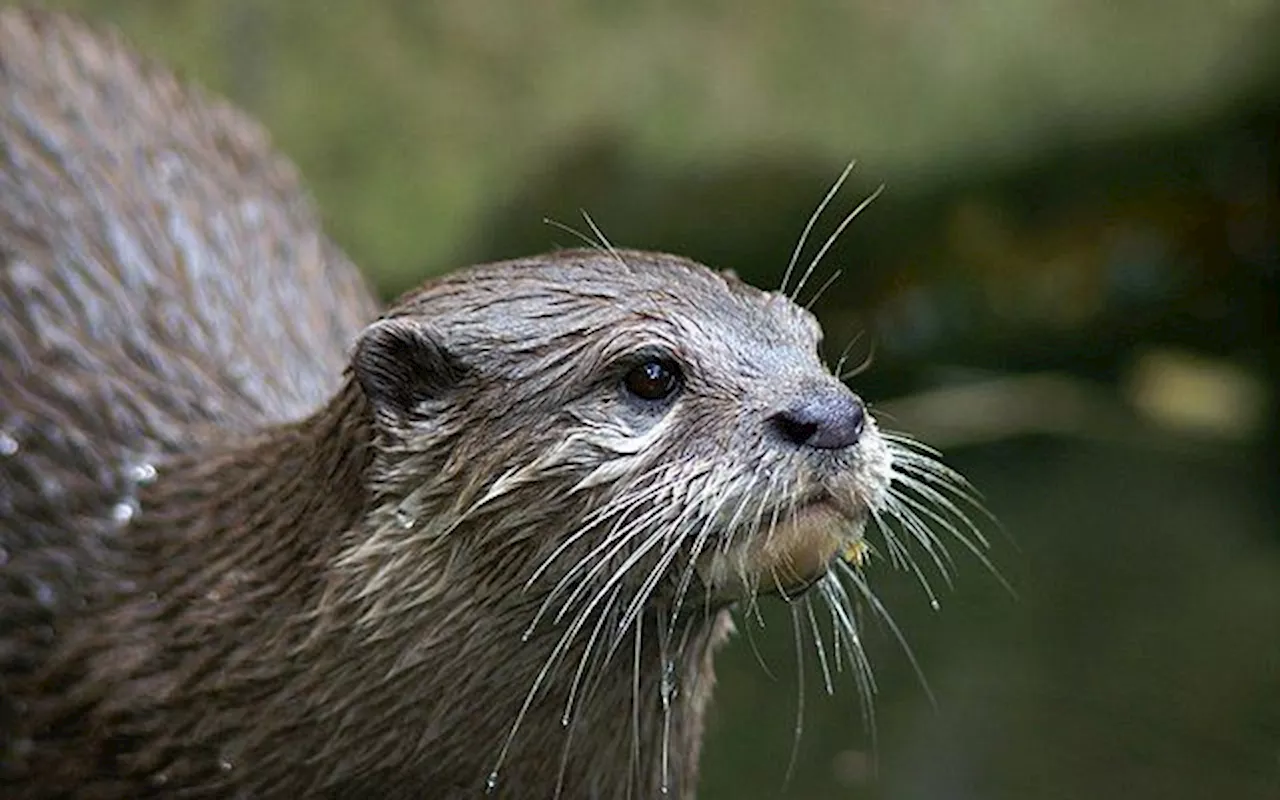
(491, 783)
(44, 593)
(158, 779)
(142, 474)
(123, 511)
(404, 518)
(226, 764)
(668, 686)
(935, 605)
(8, 444)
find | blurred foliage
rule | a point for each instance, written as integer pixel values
(1084, 195)
(410, 119)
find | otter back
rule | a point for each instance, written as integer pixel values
(162, 280)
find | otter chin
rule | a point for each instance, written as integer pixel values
(798, 552)
(263, 537)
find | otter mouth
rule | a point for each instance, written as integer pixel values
(788, 557)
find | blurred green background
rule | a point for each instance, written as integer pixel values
(1071, 284)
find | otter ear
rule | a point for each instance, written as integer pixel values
(401, 362)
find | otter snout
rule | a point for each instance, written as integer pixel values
(826, 418)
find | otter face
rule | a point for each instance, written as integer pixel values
(621, 422)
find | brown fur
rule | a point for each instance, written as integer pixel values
(254, 549)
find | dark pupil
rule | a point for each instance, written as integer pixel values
(652, 380)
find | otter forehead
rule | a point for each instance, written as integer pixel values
(620, 300)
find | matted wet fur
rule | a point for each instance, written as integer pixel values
(254, 543)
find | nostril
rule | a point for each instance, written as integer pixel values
(827, 420)
(797, 431)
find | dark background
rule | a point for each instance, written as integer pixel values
(1070, 284)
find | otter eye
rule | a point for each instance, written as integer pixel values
(652, 380)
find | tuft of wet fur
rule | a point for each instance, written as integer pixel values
(254, 542)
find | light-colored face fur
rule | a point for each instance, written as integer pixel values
(519, 443)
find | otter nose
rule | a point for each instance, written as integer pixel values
(828, 419)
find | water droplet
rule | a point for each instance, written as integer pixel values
(668, 687)
(8, 444)
(935, 605)
(226, 765)
(142, 473)
(44, 594)
(159, 779)
(404, 518)
(491, 783)
(123, 511)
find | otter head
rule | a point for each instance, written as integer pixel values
(594, 424)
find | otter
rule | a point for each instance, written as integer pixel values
(261, 538)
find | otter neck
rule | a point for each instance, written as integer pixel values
(267, 511)
(372, 684)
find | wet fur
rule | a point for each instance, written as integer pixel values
(257, 544)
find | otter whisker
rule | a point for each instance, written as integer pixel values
(587, 653)
(659, 570)
(863, 365)
(768, 498)
(930, 463)
(666, 533)
(635, 708)
(819, 646)
(567, 718)
(849, 639)
(913, 515)
(577, 234)
(923, 469)
(619, 511)
(977, 548)
(873, 600)
(912, 450)
(631, 560)
(798, 727)
(808, 228)
(962, 528)
(591, 223)
(722, 494)
(831, 240)
(560, 648)
(824, 287)
(924, 536)
(901, 557)
(596, 560)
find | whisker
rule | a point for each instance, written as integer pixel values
(825, 285)
(862, 366)
(813, 219)
(799, 723)
(867, 594)
(831, 240)
(579, 235)
(818, 644)
(568, 719)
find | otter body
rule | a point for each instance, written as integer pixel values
(258, 539)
